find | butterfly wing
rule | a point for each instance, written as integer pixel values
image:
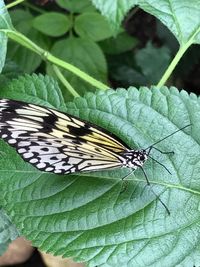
(53, 141)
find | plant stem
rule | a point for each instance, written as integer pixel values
(24, 41)
(172, 65)
(64, 81)
(35, 8)
(178, 56)
(14, 3)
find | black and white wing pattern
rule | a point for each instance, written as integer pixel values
(56, 142)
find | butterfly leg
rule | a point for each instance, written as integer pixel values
(162, 152)
(148, 183)
(161, 164)
(125, 182)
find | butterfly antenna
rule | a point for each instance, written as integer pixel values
(168, 136)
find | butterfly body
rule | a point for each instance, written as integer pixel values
(56, 142)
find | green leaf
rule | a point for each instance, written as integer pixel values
(26, 59)
(8, 231)
(86, 216)
(76, 6)
(84, 54)
(93, 26)
(181, 17)
(52, 24)
(119, 44)
(5, 23)
(114, 10)
(153, 62)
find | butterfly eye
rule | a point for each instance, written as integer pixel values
(142, 157)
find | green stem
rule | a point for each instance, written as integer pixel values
(173, 64)
(64, 81)
(76, 71)
(14, 3)
(24, 41)
(178, 56)
(34, 8)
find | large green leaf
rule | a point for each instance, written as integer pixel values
(181, 17)
(5, 23)
(87, 217)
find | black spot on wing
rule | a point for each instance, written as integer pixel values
(78, 142)
(45, 149)
(79, 131)
(51, 119)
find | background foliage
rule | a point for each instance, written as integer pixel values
(88, 45)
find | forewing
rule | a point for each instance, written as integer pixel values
(56, 142)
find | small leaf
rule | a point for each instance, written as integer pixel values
(84, 54)
(76, 6)
(52, 23)
(153, 62)
(85, 216)
(93, 26)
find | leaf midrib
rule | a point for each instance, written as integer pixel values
(167, 185)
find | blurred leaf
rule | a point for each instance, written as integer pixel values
(167, 37)
(11, 70)
(84, 54)
(8, 231)
(27, 60)
(153, 62)
(5, 23)
(85, 216)
(92, 26)
(52, 24)
(119, 44)
(76, 6)
(124, 71)
(127, 76)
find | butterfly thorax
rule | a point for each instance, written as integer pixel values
(134, 158)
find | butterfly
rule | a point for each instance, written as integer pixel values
(53, 141)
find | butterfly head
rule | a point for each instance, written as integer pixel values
(136, 158)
